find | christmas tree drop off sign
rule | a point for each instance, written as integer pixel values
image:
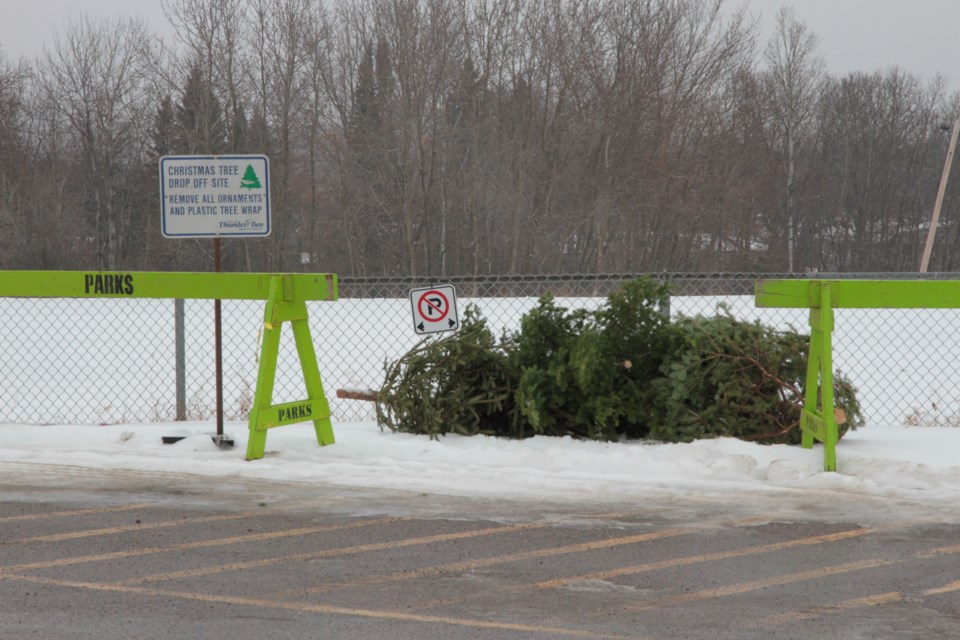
(215, 196)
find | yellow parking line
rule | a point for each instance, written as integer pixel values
(186, 546)
(953, 586)
(866, 601)
(845, 605)
(78, 512)
(707, 557)
(90, 533)
(668, 564)
(339, 551)
(756, 585)
(939, 551)
(469, 565)
(326, 609)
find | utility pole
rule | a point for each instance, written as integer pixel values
(934, 220)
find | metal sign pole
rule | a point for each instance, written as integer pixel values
(209, 196)
(219, 439)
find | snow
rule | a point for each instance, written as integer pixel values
(884, 468)
(110, 360)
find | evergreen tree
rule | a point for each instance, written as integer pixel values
(239, 130)
(372, 94)
(623, 370)
(364, 114)
(164, 134)
(546, 393)
(589, 374)
(726, 377)
(383, 71)
(199, 116)
(258, 138)
(456, 383)
(464, 102)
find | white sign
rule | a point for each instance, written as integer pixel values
(434, 309)
(209, 196)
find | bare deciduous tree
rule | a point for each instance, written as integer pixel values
(94, 82)
(795, 74)
(475, 136)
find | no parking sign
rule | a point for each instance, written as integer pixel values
(434, 309)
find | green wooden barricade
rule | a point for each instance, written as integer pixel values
(821, 297)
(285, 294)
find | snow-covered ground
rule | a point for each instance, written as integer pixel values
(885, 469)
(884, 472)
(68, 361)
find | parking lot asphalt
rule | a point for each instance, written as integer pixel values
(151, 555)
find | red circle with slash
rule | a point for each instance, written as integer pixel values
(442, 308)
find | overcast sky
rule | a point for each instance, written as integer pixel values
(921, 36)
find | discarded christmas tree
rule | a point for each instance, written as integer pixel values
(622, 371)
(587, 374)
(727, 377)
(459, 383)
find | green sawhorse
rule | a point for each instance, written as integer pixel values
(821, 297)
(283, 305)
(286, 295)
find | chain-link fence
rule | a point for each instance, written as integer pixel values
(108, 361)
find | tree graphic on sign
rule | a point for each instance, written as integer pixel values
(250, 179)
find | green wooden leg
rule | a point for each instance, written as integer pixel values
(813, 379)
(311, 377)
(263, 395)
(826, 380)
(817, 420)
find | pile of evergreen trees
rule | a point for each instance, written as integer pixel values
(623, 371)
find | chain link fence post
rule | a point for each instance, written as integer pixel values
(181, 358)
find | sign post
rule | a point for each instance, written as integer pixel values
(434, 309)
(215, 196)
(218, 439)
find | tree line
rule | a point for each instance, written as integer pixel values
(459, 137)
